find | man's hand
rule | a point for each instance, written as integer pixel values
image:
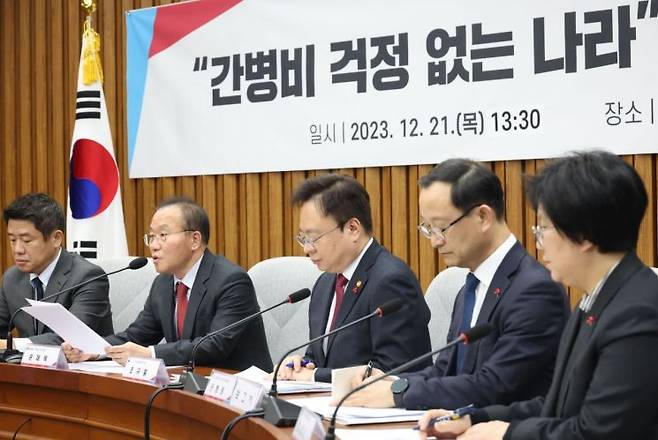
(485, 431)
(121, 353)
(297, 372)
(442, 429)
(74, 354)
(377, 395)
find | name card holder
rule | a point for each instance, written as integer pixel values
(308, 426)
(45, 356)
(234, 391)
(220, 386)
(149, 370)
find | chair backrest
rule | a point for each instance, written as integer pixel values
(274, 279)
(128, 289)
(440, 297)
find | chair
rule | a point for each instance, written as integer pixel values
(274, 279)
(440, 297)
(128, 289)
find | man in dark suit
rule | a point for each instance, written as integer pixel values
(589, 209)
(196, 293)
(462, 208)
(335, 227)
(35, 226)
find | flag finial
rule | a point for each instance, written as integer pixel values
(92, 70)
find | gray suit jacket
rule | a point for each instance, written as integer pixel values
(90, 303)
(222, 294)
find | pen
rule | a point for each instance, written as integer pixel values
(368, 371)
(456, 415)
(304, 363)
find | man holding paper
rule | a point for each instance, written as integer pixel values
(35, 227)
(197, 292)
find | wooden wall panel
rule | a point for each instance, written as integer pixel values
(251, 214)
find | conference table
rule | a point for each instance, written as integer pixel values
(78, 405)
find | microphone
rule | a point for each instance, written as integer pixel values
(197, 384)
(469, 336)
(282, 413)
(12, 356)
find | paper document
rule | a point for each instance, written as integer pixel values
(108, 366)
(341, 380)
(67, 326)
(349, 415)
(255, 374)
(377, 434)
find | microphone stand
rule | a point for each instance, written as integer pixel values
(467, 337)
(12, 356)
(282, 413)
(196, 383)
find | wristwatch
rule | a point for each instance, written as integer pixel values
(398, 387)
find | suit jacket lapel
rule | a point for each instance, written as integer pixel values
(319, 313)
(57, 281)
(196, 295)
(350, 298)
(166, 286)
(585, 322)
(499, 284)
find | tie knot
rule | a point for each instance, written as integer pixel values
(36, 283)
(181, 290)
(471, 282)
(341, 281)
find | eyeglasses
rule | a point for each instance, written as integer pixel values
(161, 237)
(304, 240)
(538, 232)
(440, 233)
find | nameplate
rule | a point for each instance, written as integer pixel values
(247, 395)
(46, 356)
(308, 426)
(150, 370)
(234, 391)
(220, 386)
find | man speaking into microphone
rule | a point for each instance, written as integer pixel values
(35, 227)
(196, 293)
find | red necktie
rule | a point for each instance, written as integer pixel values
(341, 282)
(181, 306)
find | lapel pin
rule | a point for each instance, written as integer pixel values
(590, 320)
(357, 287)
(496, 292)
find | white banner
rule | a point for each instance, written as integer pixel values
(260, 85)
(94, 224)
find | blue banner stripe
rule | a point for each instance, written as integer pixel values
(139, 25)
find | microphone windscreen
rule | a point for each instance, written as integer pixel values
(138, 263)
(299, 295)
(390, 306)
(477, 332)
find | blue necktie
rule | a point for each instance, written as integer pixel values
(469, 302)
(38, 295)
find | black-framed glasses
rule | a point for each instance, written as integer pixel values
(303, 240)
(161, 237)
(440, 233)
(538, 232)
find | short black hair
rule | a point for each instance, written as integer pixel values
(194, 216)
(40, 209)
(593, 196)
(340, 197)
(472, 184)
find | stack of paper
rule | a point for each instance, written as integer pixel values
(255, 374)
(348, 415)
(108, 366)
